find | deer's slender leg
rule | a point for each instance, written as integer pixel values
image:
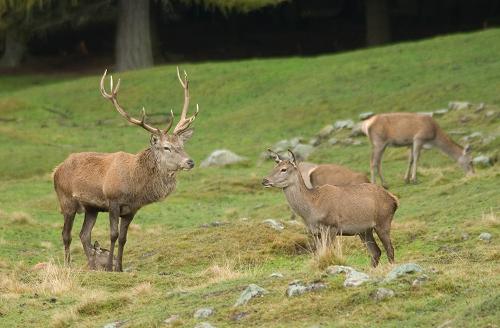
(417, 147)
(376, 166)
(385, 237)
(85, 234)
(114, 218)
(410, 163)
(122, 239)
(371, 244)
(69, 218)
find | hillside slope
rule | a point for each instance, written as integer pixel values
(179, 262)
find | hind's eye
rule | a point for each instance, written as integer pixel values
(166, 148)
(283, 170)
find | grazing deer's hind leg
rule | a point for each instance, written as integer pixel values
(410, 163)
(85, 234)
(371, 244)
(375, 165)
(69, 218)
(122, 239)
(385, 237)
(417, 147)
(114, 218)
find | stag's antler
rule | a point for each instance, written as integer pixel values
(113, 98)
(184, 122)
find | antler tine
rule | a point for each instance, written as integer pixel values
(170, 122)
(184, 122)
(113, 98)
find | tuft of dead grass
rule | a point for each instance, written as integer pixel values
(21, 218)
(326, 249)
(55, 280)
(490, 219)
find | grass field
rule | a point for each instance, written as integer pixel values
(175, 266)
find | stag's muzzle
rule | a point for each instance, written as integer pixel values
(266, 183)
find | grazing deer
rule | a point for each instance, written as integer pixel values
(346, 210)
(316, 175)
(410, 129)
(121, 183)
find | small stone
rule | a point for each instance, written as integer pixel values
(419, 281)
(326, 131)
(382, 293)
(482, 160)
(172, 319)
(53, 300)
(343, 124)
(276, 275)
(441, 112)
(315, 141)
(295, 141)
(431, 114)
(296, 288)
(366, 115)
(489, 113)
(403, 270)
(333, 141)
(351, 141)
(356, 130)
(221, 157)
(274, 224)
(116, 324)
(250, 292)
(204, 325)
(485, 236)
(302, 151)
(465, 236)
(459, 105)
(203, 313)
(480, 107)
(465, 119)
(353, 278)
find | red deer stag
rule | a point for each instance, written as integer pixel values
(410, 129)
(121, 183)
(347, 210)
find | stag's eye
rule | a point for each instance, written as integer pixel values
(166, 148)
(283, 170)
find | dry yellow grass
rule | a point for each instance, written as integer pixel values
(326, 249)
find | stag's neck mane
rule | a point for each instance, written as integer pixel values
(447, 145)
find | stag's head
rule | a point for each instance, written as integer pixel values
(284, 173)
(168, 148)
(465, 160)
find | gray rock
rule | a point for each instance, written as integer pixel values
(402, 270)
(343, 124)
(274, 224)
(315, 141)
(480, 107)
(281, 146)
(353, 278)
(296, 288)
(420, 281)
(351, 141)
(431, 114)
(173, 318)
(465, 236)
(221, 157)
(356, 130)
(250, 292)
(482, 160)
(333, 141)
(115, 324)
(489, 113)
(326, 131)
(459, 105)
(203, 313)
(485, 236)
(366, 115)
(276, 275)
(302, 151)
(204, 325)
(441, 112)
(382, 293)
(295, 141)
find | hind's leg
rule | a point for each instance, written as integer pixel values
(69, 217)
(371, 244)
(385, 236)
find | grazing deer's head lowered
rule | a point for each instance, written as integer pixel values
(121, 183)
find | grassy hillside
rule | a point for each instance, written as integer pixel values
(177, 266)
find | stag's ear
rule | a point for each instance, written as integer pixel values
(292, 158)
(186, 135)
(275, 155)
(467, 150)
(154, 139)
(97, 246)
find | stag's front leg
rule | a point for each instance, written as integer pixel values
(122, 239)
(114, 218)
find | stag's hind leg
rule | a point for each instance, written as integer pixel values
(69, 218)
(371, 244)
(385, 237)
(85, 234)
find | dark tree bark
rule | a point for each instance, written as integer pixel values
(378, 29)
(14, 47)
(133, 37)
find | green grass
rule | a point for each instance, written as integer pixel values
(176, 266)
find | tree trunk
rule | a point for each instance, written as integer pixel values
(378, 29)
(133, 38)
(15, 48)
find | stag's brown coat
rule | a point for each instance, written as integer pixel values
(348, 210)
(410, 129)
(121, 183)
